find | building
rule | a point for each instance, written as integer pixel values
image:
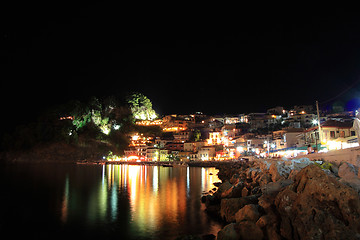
(175, 146)
(276, 110)
(215, 138)
(334, 134)
(153, 154)
(139, 151)
(231, 119)
(182, 136)
(177, 123)
(206, 153)
(287, 138)
(164, 154)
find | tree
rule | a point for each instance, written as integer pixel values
(197, 135)
(141, 107)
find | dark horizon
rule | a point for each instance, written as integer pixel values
(251, 63)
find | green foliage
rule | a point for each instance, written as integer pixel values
(172, 157)
(101, 120)
(324, 165)
(197, 135)
(141, 107)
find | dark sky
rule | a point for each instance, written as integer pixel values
(216, 62)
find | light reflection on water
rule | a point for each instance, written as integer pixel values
(141, 201)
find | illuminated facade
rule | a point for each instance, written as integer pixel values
(334, 134)
(153, 154)
(206, 153)
(156, 122)
(214, 138)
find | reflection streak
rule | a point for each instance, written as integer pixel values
(158, 197)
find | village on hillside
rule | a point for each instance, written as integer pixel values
(276, 133)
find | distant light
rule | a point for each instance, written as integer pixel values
(315, 122)
(135, 137)
(239, 149)
(116, 126)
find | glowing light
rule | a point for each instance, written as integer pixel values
(105, 129)
(156, 122)
(240, 149)
(132, 158)
(67, 118)
(135, 137)
(315, 122)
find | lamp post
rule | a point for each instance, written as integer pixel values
(319, 125)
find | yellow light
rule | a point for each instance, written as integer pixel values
(132, 158)
(135, 137)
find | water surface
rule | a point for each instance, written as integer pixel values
(107, 202)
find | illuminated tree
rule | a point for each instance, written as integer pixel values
(141, 107)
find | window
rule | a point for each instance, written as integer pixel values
(342, 134)
(352, 133)
(332, 134)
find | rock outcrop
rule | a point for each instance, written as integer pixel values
(288, 199)
(318, 206)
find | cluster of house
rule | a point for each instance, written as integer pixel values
(278, 132)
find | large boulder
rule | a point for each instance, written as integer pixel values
(264, 179)
(317, 206)
(228, 233)
(223, 187)
(234, 191)
(229, 206)
(248, 230)
(275, 187)
(298, 164)
(347, 170)
(245, 230)
(279, 170)
(249, 212)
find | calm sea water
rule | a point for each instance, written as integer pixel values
(104, 202)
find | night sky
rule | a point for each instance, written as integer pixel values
(184, 61)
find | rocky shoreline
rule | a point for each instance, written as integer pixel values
(287, 199)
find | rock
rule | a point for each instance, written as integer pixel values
(212, 206)
(275, 187)
(264, 179)
(217, 184)
(347, 170)
(234, 191)
(248, 230)
(300, 163)
(229, 206)
(244, 192)
(255, 190)
(249, 212)
(293, 174)
(353, 182)
(275, 175)
(334, 169)
(265, 220)
(264, 165)
(278, 171)
(317, 206)
(228, 233)
(224, 187)
(235, 179)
